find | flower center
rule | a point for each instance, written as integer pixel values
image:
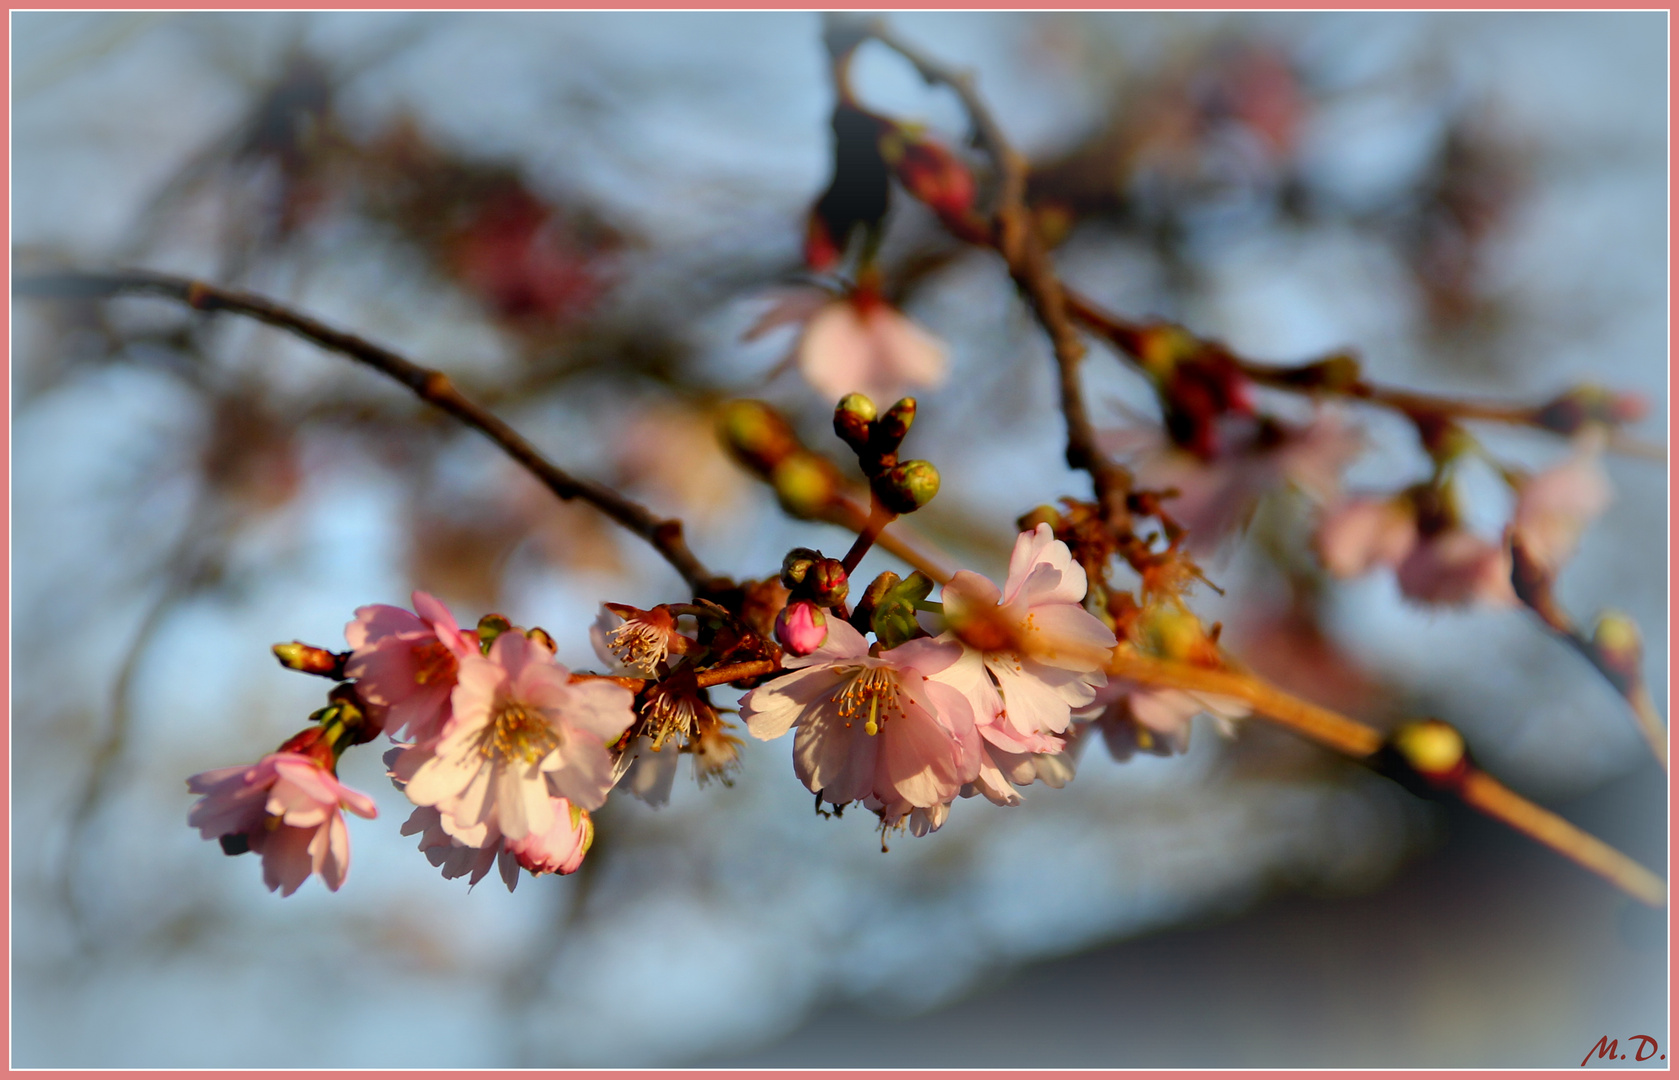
(433, 663)
(640, 645)
(518, 734)
(872, 697)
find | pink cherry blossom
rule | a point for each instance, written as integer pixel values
(801, 627)
(1359, 534)
(407, 664)
(1156, 719)
(857, 343)
(1044, 653)
(879, 728)
(1216, 497)
(522, 732)
(1454, 566)
(560, 850)
(285, 807)
(636, 642)
(1554, 507)
(457, 858)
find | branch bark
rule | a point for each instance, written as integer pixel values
(429, 385)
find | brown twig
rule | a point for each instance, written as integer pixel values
(1015, 235)
(431, 386)
(1364, 743)
(1620, 668)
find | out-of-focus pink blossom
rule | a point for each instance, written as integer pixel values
(1156, 720)
(1216, 496)
(879, 728)
(1554, 507)
(801, 627)
(287, 807)
(407, 664)
(1358, 534)
(522, 731)
(857, 343)
(1454, 566)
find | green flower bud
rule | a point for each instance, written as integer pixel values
(804, 485)
(828, 583)
(854, 421)
(1431, 747)
(757, 435)
(907, 486)
(1039, 515)
(796, 564)
(491, 627)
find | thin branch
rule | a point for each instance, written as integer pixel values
(1364, 743)
(429, 385)
(1015, 235)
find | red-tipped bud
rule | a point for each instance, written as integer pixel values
(310, 659)
(853, 420)
(828, 583)
(907, 486)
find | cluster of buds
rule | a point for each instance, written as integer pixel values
(814, 583)
(901, 487)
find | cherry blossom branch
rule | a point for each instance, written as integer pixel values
(1014, 233)
(1614, 649)
(1337, 375)
(1367, 745)
(429, 385)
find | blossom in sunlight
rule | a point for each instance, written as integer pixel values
(1217, 494)
(286, 807)
(857, 343)
(1042, 650)
(634, 641)
(522, 732)
(880, 729)
(457, 858)
(561, 848)
(1553, 507)
(407, 663)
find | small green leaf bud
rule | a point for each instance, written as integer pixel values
(757, 435)
(1039, 515)
(891, 428)
(491, 627)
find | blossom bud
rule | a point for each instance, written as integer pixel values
(796, 564)
(491, 627)
(853, 420)
(804, 484)
(1583, 405)
(1431, 747)
(862, 615)
(888, 605)
(908, 486)
(1619, 648)
(828, 583)
(1039, 515)
(801, 628)
(1162, 346)
(541, 637)
(891, 428)
(310, 659)
(935, 176)
(757, 435)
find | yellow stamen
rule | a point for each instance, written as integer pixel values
(518, 733)
(875, 689)
(433, 663)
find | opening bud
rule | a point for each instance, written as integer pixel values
(801, 628)
(890, 604)
(907, 486)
